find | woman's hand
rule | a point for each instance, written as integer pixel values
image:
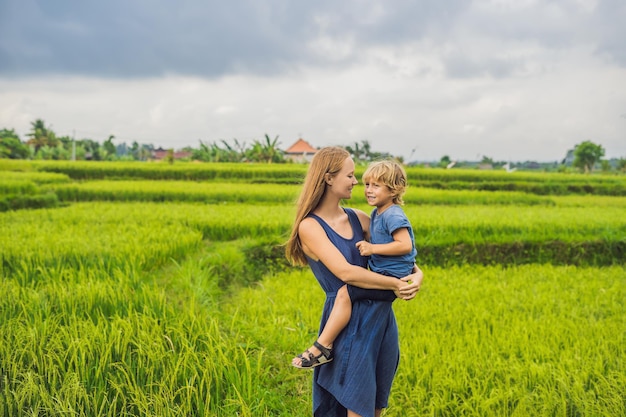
(413, 284)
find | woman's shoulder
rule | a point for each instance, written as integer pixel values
(364, 219)
(309, 221)
(360, 213)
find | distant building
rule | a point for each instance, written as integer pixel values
(301, 151)
(160, 154)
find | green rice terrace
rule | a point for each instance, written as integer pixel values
(148, 289)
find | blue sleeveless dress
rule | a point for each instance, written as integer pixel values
(366, 352)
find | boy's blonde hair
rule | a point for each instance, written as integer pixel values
(389, 173)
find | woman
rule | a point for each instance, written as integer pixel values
(358, 381)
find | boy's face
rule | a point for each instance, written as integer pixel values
(378, 194)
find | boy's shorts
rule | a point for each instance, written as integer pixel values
(359, 294)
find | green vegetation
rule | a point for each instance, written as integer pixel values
(535, 340)
(21, 190)
(162, 290)
(44, 144)
(538, 183)
(587, 154)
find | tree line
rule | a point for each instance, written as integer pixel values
(43, 143)
(586, 157)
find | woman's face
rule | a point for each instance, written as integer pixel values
(345, 180)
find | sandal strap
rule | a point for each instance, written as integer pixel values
(325, 356)
(301, 356)
(310, 361)
(325, 351)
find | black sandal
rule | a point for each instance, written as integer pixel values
(312, 361)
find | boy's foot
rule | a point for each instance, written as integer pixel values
(314, 356)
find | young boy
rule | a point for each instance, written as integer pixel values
(391, 250)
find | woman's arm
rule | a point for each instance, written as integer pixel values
(316, 245)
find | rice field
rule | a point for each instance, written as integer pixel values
(170, 297)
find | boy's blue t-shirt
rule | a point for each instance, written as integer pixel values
(381, 228)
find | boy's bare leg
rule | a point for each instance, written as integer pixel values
(337, 321)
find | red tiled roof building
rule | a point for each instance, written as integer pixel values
(301, 151)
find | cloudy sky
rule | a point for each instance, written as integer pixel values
(507, 79)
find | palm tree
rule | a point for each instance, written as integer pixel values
(234, 153)
(240, 150)
(109, 148)
(367, 153)
(203, 153)
(41, 136)
(266, 152)
(363, 152)
(271, 149)
(355, 152)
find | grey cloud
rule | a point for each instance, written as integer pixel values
(609, 22)
(150, 38)
(464, 66)
(390, 22)
(540, 26)
(143, 38)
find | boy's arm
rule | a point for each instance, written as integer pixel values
(401, 245)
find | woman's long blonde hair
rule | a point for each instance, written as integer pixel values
(329, 161)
